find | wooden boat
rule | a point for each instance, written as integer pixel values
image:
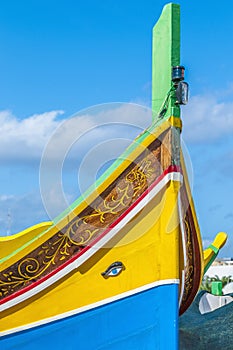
(118, 268)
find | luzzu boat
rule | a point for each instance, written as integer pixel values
(117, 269)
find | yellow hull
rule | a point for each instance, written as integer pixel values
(148, 248)
(9, 245)
(139, 216)
(27, 240)
(133, 237)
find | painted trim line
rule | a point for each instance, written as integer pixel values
(87, 252)
(90, 306)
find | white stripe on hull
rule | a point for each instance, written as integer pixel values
(173, 176)
(91, 306)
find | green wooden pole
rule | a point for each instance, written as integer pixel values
(165, 54)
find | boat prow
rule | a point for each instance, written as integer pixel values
(116, 270)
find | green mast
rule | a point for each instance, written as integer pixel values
(165, 55)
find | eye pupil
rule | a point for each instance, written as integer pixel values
(113, 270)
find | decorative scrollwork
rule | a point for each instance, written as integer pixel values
(28, 268)
(140, 175)
(189, 269)
(83, 229)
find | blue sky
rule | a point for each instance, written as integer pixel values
(59, 57)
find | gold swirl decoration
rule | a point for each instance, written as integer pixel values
(83, 229)
(28, 268)
(189, 269)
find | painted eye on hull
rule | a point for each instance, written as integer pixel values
(113, 270)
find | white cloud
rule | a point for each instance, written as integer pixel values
(206, 119)
(23, 139)
(4, 197)
(102, 122)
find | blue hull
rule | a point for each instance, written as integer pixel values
(144, 321)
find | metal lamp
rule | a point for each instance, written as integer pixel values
(177, 73)
(181, 87)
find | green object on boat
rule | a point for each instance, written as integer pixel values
(166, 54)
(216, 288)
